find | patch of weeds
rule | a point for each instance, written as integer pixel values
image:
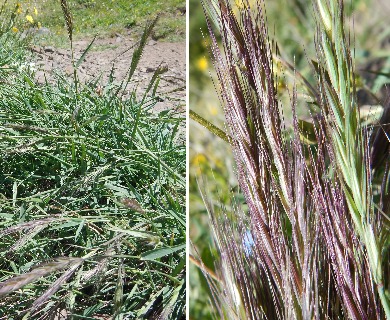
(103, 47)
(101, 17)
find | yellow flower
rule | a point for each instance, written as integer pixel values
(35, 11)
(199, 159)
(29, 19)
(239, 4)
(14, 29)
(213, 110)
(199, 162)
(18, 8)
(202, 64)
(39, 25)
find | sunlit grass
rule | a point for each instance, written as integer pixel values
(108, 17)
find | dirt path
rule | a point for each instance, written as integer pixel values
(117, 52)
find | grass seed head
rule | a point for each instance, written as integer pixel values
(68, 18)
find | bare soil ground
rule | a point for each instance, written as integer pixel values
(116, 52)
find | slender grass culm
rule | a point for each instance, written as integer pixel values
(313, 243)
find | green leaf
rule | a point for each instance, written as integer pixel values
(209, 126)
(162, 252)
(134, 233)
(82, 58)
(79, 230)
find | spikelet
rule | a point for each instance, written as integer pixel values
(133, 205)
(22, 280)
(68, 18)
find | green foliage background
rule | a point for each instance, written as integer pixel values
(106, 17)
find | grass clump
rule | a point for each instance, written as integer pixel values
(311, 240)
(92, 193)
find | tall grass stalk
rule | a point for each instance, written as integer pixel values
(69, 28)
(312, 242)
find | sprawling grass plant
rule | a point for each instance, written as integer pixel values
(92, 196)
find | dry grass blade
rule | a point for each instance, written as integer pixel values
(26, 238)
(18, 282)
(133, 205)
(76, 263)
(30, 224)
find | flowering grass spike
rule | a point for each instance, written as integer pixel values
(313, 242)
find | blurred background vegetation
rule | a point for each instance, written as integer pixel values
(291, 24)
